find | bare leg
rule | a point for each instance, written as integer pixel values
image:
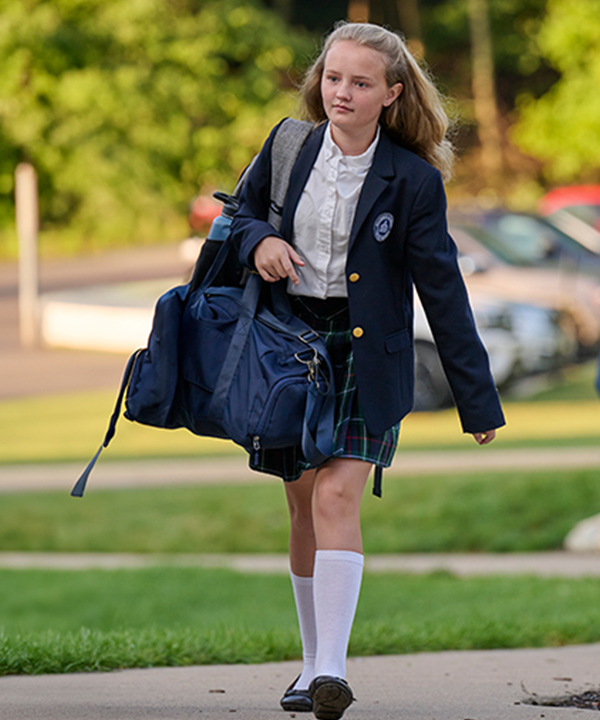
(338, 491)
(324, 506)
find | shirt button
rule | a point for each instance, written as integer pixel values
(358, 332)
(355, 277)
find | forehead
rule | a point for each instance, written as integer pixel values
(348, 56)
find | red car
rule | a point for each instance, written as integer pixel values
(203, 210)
(582, 201)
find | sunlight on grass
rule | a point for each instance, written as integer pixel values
(568, 420)
(71, 427)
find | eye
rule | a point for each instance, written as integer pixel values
(332, 78)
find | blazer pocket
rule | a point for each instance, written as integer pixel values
(397, 341)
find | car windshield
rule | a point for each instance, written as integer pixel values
(492, 242)
(590, 214)
(531, 240)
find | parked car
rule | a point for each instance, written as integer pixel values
(576, 211)
(582, 201)
(534, 240)
(521, 340)
(492, 267)
(202, 211)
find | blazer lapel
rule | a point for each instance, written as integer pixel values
(299, 177)
(375, 183)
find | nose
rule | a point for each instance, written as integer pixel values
(343, 90)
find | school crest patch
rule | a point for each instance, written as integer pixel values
(382, 226)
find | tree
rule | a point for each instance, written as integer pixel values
(126, 108)
(484, 91)
(562, 127)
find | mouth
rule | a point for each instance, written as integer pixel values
(342, 108)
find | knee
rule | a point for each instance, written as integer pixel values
(333, 498)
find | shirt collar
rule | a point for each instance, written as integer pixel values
(355, 162)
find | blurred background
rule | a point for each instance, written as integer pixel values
(133, 113)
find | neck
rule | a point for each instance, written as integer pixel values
(350, 143)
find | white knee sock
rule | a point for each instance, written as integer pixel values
(305, 607)
(337, 580)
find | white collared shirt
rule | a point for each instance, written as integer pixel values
(324, 217)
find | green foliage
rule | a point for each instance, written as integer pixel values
(53, 621)
(479, 512)
(126, 108)
(448, 47)
(562, 128)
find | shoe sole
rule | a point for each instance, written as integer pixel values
(330, 700)
(294, 706)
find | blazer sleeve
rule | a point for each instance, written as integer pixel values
(432, 261)
(250, 224)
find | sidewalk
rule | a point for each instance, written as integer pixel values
(479, 685)
(233, 469)
(543, 564)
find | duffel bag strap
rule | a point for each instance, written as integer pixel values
(236, 346)
(317, 428)
(197, 283)
(79, 487)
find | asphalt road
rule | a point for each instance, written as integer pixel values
(44, 370)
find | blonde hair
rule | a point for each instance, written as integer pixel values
(416, 119)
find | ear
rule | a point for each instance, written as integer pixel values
(393, 94)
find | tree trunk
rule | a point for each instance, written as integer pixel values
(284, 9)
(484, 91)
(410, 22)
(358, 10)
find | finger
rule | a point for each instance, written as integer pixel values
(267, 275)
(485, 438)
(295, 257)
(290, 271)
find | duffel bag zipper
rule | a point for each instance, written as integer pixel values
(256, 447)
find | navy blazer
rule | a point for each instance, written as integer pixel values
(399, 237)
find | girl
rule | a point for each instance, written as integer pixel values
(363, 219)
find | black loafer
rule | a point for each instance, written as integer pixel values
(296, 700)
(330, 697)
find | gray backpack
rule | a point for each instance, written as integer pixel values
(287, 143)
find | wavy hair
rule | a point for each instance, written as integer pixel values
(416, 119)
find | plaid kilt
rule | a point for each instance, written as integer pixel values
(331, 319)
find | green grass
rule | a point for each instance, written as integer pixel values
(70, 427)
(576, 382)
(61, 621)
(501, 511)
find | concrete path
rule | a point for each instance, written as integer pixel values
(479, 685)
(546, 564)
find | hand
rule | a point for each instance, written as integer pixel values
(274, 259)
(484, 438)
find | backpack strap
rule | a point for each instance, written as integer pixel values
(112, 426)
(287, 143)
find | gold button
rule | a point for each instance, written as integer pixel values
(358, 332)
(354, 277)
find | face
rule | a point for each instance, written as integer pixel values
(354, 88)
